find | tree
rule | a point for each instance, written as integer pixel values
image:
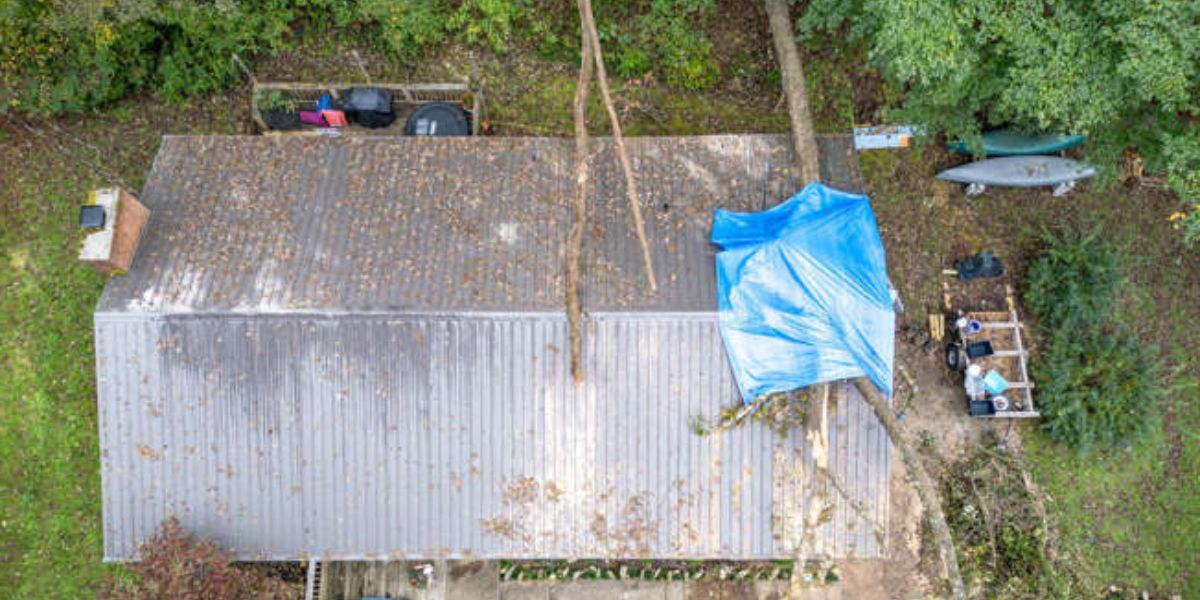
(1120, 71)
(805, 145)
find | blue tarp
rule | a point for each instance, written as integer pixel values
(803, 293)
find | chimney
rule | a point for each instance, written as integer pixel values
(113, 222)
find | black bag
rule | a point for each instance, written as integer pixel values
(368, 106)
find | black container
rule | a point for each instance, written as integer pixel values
(438, 119)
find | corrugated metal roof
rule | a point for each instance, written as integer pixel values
(275, 224)
(298, 366)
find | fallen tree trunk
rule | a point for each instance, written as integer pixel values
(582, 174)
(588, 24)
(927, 491)
(804, 140)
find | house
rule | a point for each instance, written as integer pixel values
(357, 349)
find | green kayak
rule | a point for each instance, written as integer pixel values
(1010, 142)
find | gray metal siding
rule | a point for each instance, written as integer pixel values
(391, 436)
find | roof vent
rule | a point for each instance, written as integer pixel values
(113, 220)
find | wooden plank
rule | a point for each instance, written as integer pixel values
(396, 87)
(1021, 359)
(1013, 414)
(1001, 325)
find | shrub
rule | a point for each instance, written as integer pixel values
(406, 26)
(1075, 281)
(1096, 388)
(632, 63)
(671, 28)
(490, 20)
(176, 565)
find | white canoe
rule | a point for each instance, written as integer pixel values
(1019, 171)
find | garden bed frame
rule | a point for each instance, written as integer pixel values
(405, 98)
(1011, 359)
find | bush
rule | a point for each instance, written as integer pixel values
(671, 28)
(176, 565)
(1096, 388)
(490, 20)
(405, 27)
(1183, 174)
(1074, 283)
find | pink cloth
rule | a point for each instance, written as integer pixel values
(312, 117)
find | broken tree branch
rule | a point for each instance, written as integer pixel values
(926, 490)
(588, 23)
(803, 138)
(575, 240)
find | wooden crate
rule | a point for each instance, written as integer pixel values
(406, 97)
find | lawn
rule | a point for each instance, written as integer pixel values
(49, 454)
(50, 535)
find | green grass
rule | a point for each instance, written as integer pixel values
(49, 451)
(50, 518)
(1130, 517)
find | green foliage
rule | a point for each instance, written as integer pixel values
(1121, 71)
(1097, 388)
(488, 20)
(1182, 157)
(632, 63)
(684, 52)
(1074, 282)
(998, 532)
(272, 100)
(405, 27)
(1188, 224)
(1183, 174)
(73, 56)
(70, 57)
